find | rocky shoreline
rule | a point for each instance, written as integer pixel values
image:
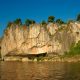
(75, 58)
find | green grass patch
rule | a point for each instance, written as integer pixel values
(74, 50)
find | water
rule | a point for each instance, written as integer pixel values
(39, 71)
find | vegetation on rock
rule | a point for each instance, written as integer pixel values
(59, 21)
(18, 21)
(74, 49)
(43, 22)
(78, 17)
(28, 22)
(46, 37)
(51, 19)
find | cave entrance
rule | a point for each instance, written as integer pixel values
(32, 56)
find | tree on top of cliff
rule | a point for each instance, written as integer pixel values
(9, 24)
(78, 17)
(51, 19)
(59, 21)
(18, 21)
(28, 22)
(43, 22)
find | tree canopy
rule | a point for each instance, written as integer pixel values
(51, 19)
(43, 22)
(59, 21)
(28, 22)
(9, 24)
(78, 17)
(18, 21)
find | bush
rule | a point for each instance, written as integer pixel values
(75, 49)
(18, 21)
(51, 19)
(78, 17)
(28, 22)
(59, 21)
(43, 22)
(9, 24)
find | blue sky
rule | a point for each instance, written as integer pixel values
(37, 9)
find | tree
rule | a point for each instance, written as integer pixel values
(43, 22)
(9, 24)
(59, 21)
(51, 19)
(78, 17)
(18, 21)
(33, 22)
(28, 22)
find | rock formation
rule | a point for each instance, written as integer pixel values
(38, 39)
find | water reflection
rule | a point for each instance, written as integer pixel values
(39, 71)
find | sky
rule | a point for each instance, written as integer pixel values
(37, 10)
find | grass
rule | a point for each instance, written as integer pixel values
(74, 49)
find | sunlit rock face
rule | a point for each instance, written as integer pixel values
(37, 39)
(52, 28)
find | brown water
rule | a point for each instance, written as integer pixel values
(39, 71)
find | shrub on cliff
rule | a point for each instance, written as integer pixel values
(51, 19)
(9, 24)
(75, 49)
(59, 21)
(28, 22)
(43, 22)
(78, 17)
(18, 21)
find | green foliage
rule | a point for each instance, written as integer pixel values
(9, 24)
(18, 21)
(43, 22)
(75, 49)
(78, 17)
(28, 22)
(51, 19)
(59, 21)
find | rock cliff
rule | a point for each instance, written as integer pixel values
(37, 39)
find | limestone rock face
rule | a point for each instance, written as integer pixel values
(34, 31)
(37, 39)
(52, 28)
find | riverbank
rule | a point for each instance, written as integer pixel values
(56, 58)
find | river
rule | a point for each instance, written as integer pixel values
(39, 71)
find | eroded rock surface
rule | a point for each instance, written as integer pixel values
(37, 39)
